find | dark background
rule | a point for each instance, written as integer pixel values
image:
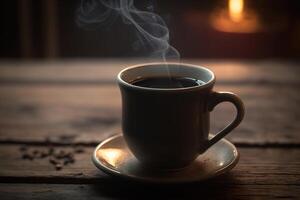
(42, 29)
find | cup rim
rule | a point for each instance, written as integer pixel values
(207, 84)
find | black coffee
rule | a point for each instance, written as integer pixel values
(167, 82)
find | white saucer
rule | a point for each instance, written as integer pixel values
(113, 157)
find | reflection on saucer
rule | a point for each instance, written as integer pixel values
(111, 156)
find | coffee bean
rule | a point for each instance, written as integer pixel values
(66, 162)
(58, 158)
(58, 166)
(78, 149)
(35, 152)
(27, 156)
(60, 154)
(44, 154)
(23, 148)
(69, 154)
(53, 161)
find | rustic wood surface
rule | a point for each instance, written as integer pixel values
(30, 114)
(257, 166)
(65, 103)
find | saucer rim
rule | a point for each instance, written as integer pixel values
(115, 173)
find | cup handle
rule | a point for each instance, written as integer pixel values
(219, 97)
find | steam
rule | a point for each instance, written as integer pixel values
(152, 31)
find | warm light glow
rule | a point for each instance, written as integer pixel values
(236, 18)
(111, 156)
(236, 10)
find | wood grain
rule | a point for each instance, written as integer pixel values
(137, 191)
(77, 101)
(256, 167)
(105, 71)
(33, 114)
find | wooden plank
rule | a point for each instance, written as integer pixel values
(118, 190)
(88, 114)
(256, 167)
(39, 113)
(106, 70)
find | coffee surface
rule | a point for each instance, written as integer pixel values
(167, 82)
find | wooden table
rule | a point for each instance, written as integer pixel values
(76, 102)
